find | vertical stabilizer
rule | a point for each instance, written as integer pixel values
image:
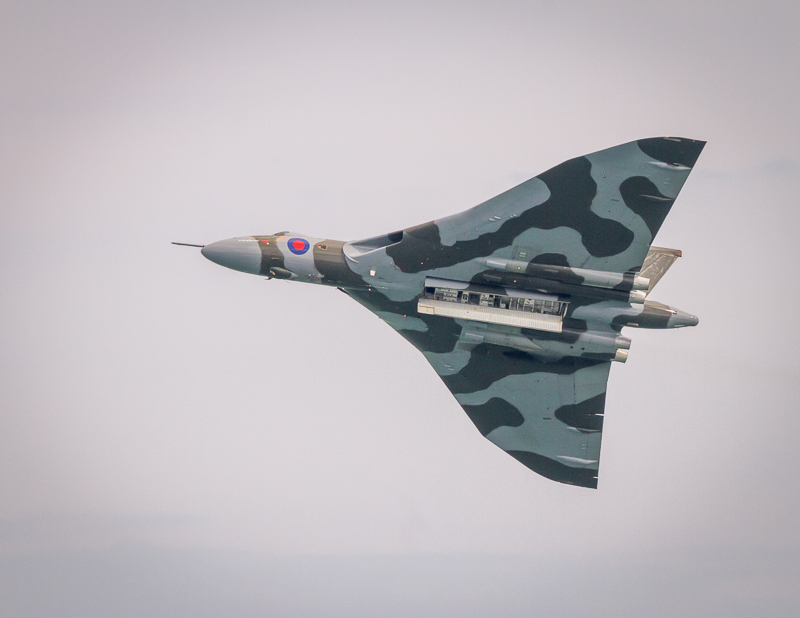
(657, 263)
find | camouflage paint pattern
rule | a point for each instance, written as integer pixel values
(580, 232)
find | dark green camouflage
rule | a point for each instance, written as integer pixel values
(517, 303)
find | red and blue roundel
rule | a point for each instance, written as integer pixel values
(298, 246)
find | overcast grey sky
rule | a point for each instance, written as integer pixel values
(177, 439)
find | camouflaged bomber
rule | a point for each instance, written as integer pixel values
(519, 302)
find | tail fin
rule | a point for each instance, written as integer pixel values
(657, 263)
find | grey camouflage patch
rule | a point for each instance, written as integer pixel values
(579, 233)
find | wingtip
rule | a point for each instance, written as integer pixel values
(673, 150)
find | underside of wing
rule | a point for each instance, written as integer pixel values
(547, 414)
(600, 211)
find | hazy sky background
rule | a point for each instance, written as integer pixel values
(177, 439)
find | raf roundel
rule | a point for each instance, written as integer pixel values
(298, 246)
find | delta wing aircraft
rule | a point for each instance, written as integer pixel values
(519, 302)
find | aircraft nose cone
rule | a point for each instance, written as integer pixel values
(242, 254)
(681, 318)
